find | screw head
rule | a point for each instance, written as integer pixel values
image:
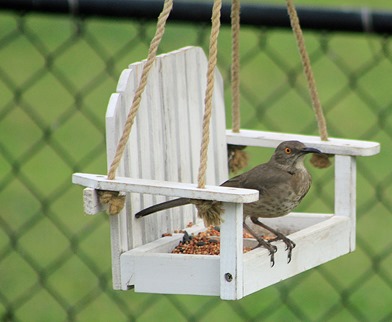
(228, 277)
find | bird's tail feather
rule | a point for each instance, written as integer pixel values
(163, 206)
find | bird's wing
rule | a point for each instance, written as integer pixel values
(260, 178)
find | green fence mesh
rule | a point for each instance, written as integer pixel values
(56, 76)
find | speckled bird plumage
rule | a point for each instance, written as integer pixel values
(282, 183)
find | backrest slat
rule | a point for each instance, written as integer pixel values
(165, 140)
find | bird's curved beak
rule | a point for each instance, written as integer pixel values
(310, 150)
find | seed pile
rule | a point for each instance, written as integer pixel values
(204, 243)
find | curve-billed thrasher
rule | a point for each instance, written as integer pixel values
(282, 182)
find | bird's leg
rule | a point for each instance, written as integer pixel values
(279, 236)
(272, 248)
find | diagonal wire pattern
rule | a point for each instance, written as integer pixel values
(55, 262)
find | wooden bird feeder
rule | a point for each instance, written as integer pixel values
(161, 160)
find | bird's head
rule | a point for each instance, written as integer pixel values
(291, 154)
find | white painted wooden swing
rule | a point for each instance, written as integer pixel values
(162, 159)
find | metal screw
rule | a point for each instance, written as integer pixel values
(228, 277)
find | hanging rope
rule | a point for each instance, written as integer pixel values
(212, 60)
(235, 66)
(115, 200)
(237, 157)
(308, 70)
(319, 160)
(209, 211)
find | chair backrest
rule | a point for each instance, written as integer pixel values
(165, 140)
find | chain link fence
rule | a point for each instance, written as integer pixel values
(56, 76)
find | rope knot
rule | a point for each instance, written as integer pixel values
(237, 157)
(113, 200)
(209, 210)
(321, 161)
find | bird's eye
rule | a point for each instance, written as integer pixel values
(287, 150)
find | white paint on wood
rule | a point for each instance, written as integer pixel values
(118, 224)
(291, 223)
(166, 274)
(91, 203)
(317, 244)
(117, 248)
(164, 141)
(161, 245)
(157, 271)
(345, 191)
(166, 188)
(332, 146)
(231, 253)
(161, 161)
(127, 263)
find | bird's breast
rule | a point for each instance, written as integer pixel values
(282, 198)
(300, 183)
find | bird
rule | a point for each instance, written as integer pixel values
(282, 183)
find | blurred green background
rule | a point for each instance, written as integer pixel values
(56, 76)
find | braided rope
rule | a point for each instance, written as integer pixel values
(168, 5)
(235, 67)
(212, 60)
(308, 70)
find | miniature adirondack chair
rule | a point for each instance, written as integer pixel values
(161, 160)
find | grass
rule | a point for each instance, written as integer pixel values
(55, 262)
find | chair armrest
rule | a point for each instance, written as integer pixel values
(332, 146)
(166, 188)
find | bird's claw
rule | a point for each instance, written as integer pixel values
(272, 249)
(290, 245)
(272, 255)
(272, 259)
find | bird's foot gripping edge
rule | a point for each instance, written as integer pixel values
(279, 236)
(272, 248)
(289, 244)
